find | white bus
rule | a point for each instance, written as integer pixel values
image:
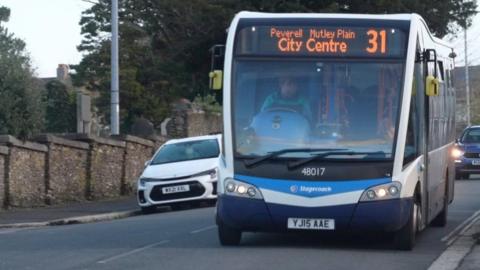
(338, 122)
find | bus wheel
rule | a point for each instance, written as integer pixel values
(228, 236)
(404, 239)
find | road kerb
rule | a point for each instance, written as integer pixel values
(23, 225)
(452, 257)
(73, 220)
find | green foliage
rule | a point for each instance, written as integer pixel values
(61, 108)
(21, 109)
(164, 43)
(207, 103)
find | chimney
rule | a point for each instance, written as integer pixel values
(62, 72)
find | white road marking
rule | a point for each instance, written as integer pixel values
(121, 255)
(449, 238)
(204, 229)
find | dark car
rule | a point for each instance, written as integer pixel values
(467, 153)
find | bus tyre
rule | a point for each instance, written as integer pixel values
(228, 236)
(404, 239)
(441, 219)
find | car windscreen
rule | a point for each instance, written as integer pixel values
(471, 136)
(184, 151)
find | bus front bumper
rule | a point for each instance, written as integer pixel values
(256, 215)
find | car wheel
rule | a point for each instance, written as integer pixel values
(149, 209)
(404, 239)
(228, 236)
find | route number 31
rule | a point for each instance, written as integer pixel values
(375, 37)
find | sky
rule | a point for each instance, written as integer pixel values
(50, 29)
(473, 39)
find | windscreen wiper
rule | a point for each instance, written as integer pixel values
(296, 164)
(257, 160)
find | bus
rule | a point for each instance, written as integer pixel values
(335, 122)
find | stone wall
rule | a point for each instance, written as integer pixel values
(3, 154)
(200, 123)
(188, 123)
(157, 142)
(25, 179)
(137, 152)
(75, 167)
(105, 166)
(66, 169)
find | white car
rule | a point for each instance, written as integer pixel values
(181, 170)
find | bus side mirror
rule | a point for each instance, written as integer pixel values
(216, 78)
(432, 86)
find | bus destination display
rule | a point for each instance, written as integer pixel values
(321, 41)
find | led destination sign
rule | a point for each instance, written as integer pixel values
(321, 41)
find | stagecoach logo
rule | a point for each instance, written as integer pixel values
(309, 190)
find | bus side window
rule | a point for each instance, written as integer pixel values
(441, 71)
(411, 141)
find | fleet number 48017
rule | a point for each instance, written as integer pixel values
(313, 171)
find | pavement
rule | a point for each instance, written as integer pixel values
(79, 212)
(472, 260)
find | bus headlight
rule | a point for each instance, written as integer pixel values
(382, 192)
(241, 189)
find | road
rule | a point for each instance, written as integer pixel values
(188, 240)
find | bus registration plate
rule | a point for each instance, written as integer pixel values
(476, 162)
(311, 224)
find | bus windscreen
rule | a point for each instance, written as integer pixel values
(319, 41)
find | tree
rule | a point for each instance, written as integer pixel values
(164, 43)
(60, 116)
(21, 110)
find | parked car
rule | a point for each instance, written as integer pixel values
(467, 153)
(181, 170)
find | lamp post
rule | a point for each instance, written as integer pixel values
(115, 99)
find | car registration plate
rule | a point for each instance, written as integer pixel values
(311, 224)
(476, 162)
(175, 189)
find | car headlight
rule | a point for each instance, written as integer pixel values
(141, 182)
(456, 153)
(241, 189)
(382, 192)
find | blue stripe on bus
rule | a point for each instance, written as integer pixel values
(311, 188)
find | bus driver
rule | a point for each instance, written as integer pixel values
(288, 97)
